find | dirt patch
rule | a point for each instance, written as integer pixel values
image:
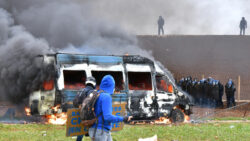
(240, 111)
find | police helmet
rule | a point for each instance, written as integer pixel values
(91, 80)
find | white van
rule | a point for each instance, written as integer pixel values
(144, 86)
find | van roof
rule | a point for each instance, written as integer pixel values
(67, 58)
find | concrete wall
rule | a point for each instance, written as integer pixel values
(219, 56)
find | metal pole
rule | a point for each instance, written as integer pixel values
(239, 88)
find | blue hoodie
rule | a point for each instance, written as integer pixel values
(103, 104)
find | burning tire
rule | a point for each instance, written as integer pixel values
(177, 116)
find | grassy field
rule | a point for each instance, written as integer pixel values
(183, 132)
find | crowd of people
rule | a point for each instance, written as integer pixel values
(208, 92)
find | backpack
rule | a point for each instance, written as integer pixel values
(81, 96)
(87, 112)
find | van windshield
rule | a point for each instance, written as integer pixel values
(140, 80)
(119, 82)
(74, 79)
(163, 84)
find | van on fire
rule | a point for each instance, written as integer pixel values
(141, 84)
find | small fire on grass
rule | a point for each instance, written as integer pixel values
(186, 118)
(27, 111)
(163, 120)
(57, 118)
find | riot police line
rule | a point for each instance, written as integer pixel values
(208, 92)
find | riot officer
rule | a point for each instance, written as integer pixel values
(221, 92)
(215, 93)
(230, 90)
(181, 82)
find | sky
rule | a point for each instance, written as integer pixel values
(181, 16)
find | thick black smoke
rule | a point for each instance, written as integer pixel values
(20, 68)
(63, 26)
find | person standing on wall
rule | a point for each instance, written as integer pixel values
(243, 26)
(160, 25)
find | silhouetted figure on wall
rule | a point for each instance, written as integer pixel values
(230, 89)
(243, 26)
(160, 25)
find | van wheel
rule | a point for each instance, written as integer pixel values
(34, 107)
(177, 116)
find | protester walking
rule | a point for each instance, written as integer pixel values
(100, 131)
(90, 86)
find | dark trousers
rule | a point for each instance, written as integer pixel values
(79, 138)
(160, 28)
(230, 101)
(242, 31)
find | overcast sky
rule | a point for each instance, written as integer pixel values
(181, 16)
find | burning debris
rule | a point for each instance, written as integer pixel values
(58, 119)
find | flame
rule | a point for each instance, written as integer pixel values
(163, 120)
(58, 119)
(27, 110)
(186, 118)
(55, 108)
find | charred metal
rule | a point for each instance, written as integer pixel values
(140, 83)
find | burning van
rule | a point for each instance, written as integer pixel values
(143, 85)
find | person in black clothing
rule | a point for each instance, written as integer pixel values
(243, 26)
(160, 25)
(230, 89)
(221, 92)
(90, 86)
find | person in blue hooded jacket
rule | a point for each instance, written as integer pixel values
(100, 131)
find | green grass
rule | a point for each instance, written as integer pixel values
(183, 132)
(231, 118)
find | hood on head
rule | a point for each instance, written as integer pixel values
(108, 84)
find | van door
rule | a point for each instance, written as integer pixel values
(141, 90)
(164, 94)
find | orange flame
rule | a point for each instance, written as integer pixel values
(55, 108)
(27, 111)
(186, 118)
(58, 119)
(163, 120)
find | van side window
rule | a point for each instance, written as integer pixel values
(74, 79)
(119, 82)
(140, 80)
(163, 84)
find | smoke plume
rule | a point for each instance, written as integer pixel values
(33, 27)
(20, 72)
